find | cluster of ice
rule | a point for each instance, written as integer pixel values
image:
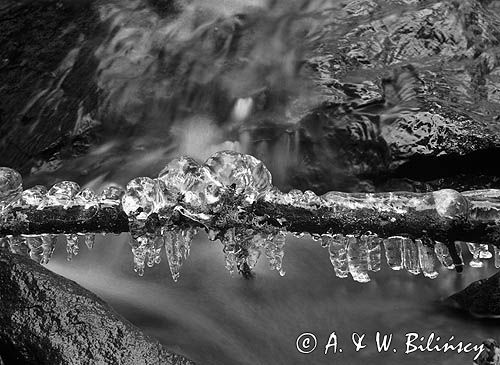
(360, 255)
(227, 183)
(64, 194)
(196, 191)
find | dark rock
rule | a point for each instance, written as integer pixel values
(480, 299)
(47, 319)
(490, 355)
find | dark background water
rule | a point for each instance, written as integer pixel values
(215, 318)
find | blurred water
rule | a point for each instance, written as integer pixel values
(214, 318)
(229, 75)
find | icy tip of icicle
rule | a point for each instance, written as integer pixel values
(450, 203)
(140, 198)
(11, 186)
(62, 194)
(247, 174)
(34, 196)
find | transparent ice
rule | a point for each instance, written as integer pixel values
(393, 252)
(357, 259)
(337, 248)
(275, 251)
(62, 194)
(245, 173)
(410, 256)
(443, 255)
(34, 197)
(72, 248)
(475, 250)
(111, 196)
(86, 198)
(427, 259)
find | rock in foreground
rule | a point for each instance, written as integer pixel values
(480, 299)
(47, 319)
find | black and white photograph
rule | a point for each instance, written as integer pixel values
(250, 182)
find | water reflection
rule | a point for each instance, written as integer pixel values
(214, 318)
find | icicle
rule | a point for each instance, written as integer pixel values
(475, 250)
(140, 247)
(427, 260)
(48, 246)
(460, 260)
(177, 247)
(89, 240)
(154, 251)
(410, 256)
(35, 245)
(71, 245)
(393, 252)
(497, 257)
(18, 245)
(212, 234)
(374, 252)
(230, 250)
(337, 248)
(357, 259)
(443, 255)
(254, 250)
(275, 251)
(484, 252)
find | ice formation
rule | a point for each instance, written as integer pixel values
(223, 195)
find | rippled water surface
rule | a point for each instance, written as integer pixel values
(214, 318)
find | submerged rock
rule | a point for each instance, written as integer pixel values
(47, 319)
(481, 298)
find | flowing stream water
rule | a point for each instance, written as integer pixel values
(180, 86)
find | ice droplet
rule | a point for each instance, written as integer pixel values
(48, 245)
(154, 251)
(410, 256)
(497, 256)
(443, 255)
(357, 259)
(140, 198)
(337, 248)
(72, 248)
(35, 197)
(427, 260)
(393, 252)
(11, 186)
(245, 173)
(275, 251)
(86, 198)
(111, 196)
(484, 252)
(475, 250)
(35, 246)
(62, 194)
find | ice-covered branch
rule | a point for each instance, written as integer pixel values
(232, 197)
